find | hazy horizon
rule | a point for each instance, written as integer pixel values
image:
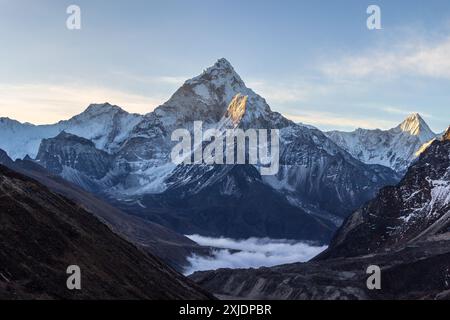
(305, 123)
(315, 61)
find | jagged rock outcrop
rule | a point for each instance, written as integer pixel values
(5, 159)
(76, 159)
(446, 135)
(69, 151)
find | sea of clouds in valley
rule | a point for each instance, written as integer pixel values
(250, 253)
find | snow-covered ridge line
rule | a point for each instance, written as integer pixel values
(104, 124)
(395, 148)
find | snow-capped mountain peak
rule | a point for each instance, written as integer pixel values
(221, 71)
(416, 126)
(206, 98)
(395, 148)
(98, 109)
(222, 63)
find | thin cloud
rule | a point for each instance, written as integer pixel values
(151, 80)
(331, 120)
(395, 110)
(250, 253)
(280, 94)
(296, 90)
(407, 58)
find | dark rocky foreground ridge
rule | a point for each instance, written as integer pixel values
(171, 247)
(42, 233)
(405, 231)
(420, 271)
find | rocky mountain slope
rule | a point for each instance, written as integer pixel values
(233, 201)
(318, 183)
(43, 233)
(75, 159)
(395, 148)
(415, 209)
(172, 248)
(127, 161)
(405, 231)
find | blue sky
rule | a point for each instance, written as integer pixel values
(314, 61)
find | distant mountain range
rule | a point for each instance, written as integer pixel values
(125, 158)
(395, 148)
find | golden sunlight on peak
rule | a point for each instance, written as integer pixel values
(236, 108)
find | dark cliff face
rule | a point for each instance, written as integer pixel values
(446, 135)
(232, 201)
(70, 151)
(417, 208)
(405, 231)
(316, 171)
(5, 159)
(43, 233)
